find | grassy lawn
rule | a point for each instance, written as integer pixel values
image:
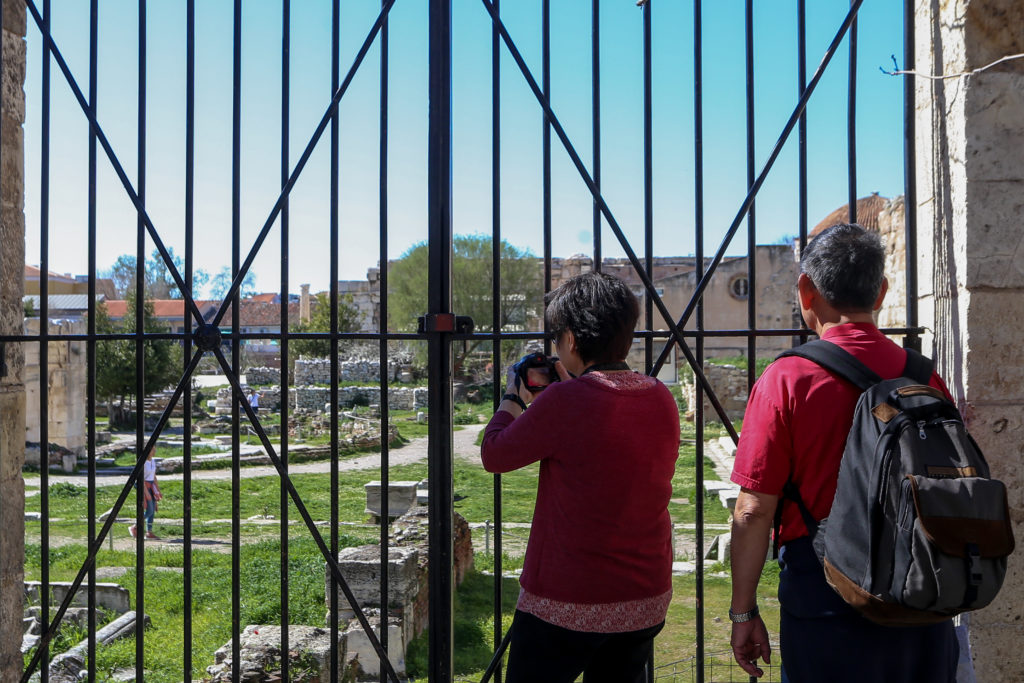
(260, 587)
(212, 505)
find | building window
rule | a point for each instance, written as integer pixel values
(739, 287)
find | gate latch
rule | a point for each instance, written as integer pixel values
(445, 322)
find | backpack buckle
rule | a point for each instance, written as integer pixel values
(974, 564)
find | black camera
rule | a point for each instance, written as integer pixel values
(536, 371)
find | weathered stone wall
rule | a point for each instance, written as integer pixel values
(67, 375)
(261, 376)
(318, 371)
(730, 385)
(891, 226)
(12, 389)
(399, 398)
(971, 258)
(776, 272)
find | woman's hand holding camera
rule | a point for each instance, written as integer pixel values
(527, 378)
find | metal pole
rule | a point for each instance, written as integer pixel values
(912, 340)
(439, 302)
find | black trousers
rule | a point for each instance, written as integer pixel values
(540, 652)
(824, 639)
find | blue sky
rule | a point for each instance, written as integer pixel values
(879, 130)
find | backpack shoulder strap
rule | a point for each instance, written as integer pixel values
(835, 359)
(918, 367)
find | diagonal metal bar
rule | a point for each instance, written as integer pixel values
(112, 517)
(332, 561)
(674, 328)
(114, 162)
(325, 120)
(752, 192)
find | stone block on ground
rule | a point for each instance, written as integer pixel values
(108, 595)
(309, 651)
(362, 655)
(401, 497)
(360, 567)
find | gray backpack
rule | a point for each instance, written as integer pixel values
(918, 532)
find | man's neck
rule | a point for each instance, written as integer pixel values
(843, 319)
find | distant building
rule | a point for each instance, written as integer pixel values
(66, 283)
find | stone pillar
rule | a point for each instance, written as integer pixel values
(971, 261)
(304, 314)
(12, 391)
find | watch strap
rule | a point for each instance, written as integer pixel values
(739, 618)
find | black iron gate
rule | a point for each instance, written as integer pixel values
(439, 328)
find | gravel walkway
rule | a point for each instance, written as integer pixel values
(414, 451)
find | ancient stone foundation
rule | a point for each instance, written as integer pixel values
(66, 377)
(730, 385)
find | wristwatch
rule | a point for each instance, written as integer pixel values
(743, 616)
(515, 398)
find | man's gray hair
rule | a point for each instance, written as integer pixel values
(845, 262)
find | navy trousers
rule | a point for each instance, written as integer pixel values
(824, 639)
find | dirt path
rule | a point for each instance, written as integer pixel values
(414, 451)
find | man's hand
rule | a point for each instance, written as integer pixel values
(750, 641)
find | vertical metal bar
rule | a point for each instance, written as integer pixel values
(801, 77)
(698, 231)
(851, 122)
(595, 89)
(385, 465)
(648, 186)
(90, 345)
(186, 481)
(236, 314)
(286, 33)
(140, 347)
(497, 362)
(335, 71)
(912, 340)
(439, 301)
(44, 346)
(751, 223)
(546, 150)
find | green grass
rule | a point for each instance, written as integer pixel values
(128, 458)
(260, 587)
(260, 582)
(741, 362)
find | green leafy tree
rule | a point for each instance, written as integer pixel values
(29, 309)
(158, 281)
(221, 282)
(320, 321)
(115, 360)
(472, 275)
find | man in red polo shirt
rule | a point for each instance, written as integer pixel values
(795, 427)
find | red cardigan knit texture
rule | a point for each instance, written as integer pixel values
(601, 530)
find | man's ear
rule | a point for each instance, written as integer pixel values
(806, 291)
(881, 293)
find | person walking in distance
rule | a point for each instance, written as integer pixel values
(150, 495)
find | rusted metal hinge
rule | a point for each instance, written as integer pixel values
(445, 322)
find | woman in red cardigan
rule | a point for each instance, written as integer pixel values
(597, 578)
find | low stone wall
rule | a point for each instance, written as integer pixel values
(318, 371)
(262, 376)
(270, 399)
(399, 398)
(729, 384)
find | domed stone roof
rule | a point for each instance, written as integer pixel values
(868, 209)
